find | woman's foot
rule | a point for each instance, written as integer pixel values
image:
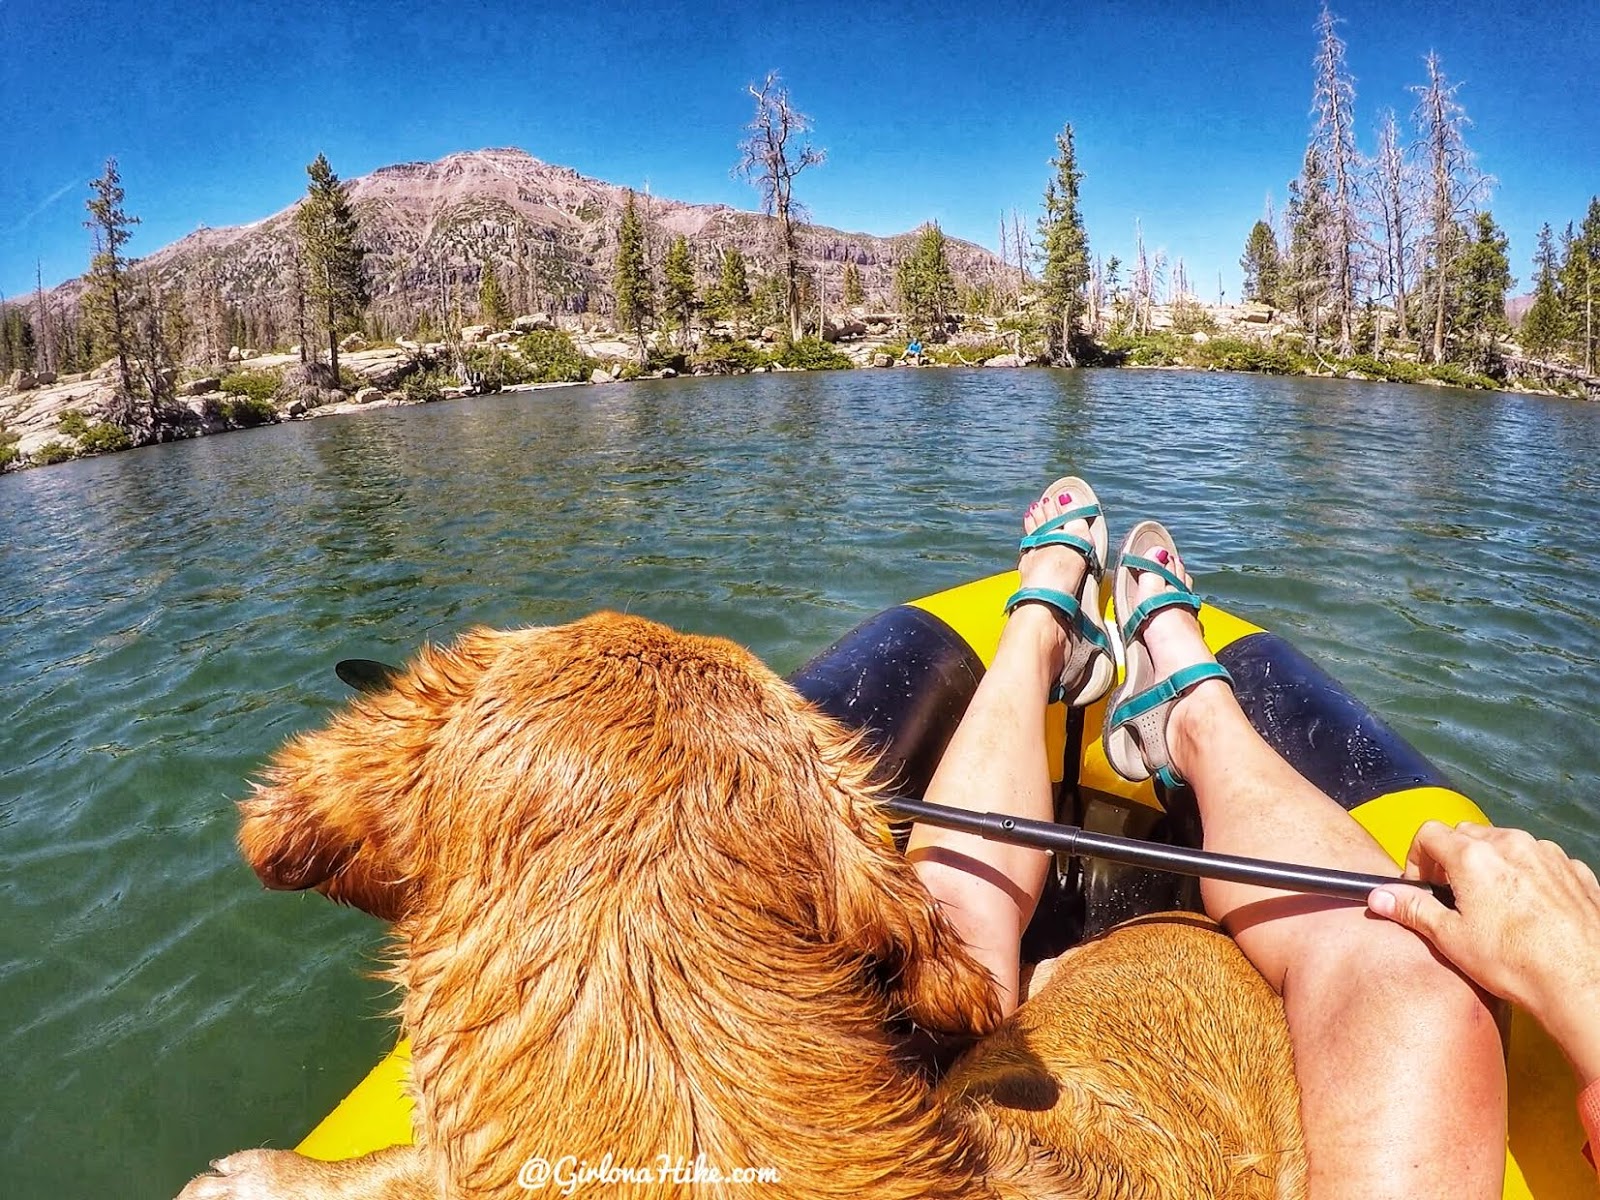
(1060, 568)
(1168, 662)
(1057, 609)
(1175, 641)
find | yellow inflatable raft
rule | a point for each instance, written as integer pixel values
(906, 676)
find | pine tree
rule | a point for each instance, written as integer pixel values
(635, 301)
(335, 282)
(1484, 276)
(491, 299)
(1260, 264)
(108, 296)
(1066, 252)
(729, 298)
(1580, 280)
(17, 345)
(678, 299)
(853, 294)
(1540, 332)
(925, 286)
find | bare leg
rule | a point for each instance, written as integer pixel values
(1403, 1089)
(997, 762)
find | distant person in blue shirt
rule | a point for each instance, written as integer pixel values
(914, 351)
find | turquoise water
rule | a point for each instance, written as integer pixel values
(172, 614)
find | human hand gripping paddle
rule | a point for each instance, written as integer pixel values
(1526, 926)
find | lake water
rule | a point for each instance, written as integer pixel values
(170, 615)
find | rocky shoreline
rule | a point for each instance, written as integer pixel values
(45, 419)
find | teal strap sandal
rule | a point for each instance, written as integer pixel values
(1091, 665)
(1135, 734)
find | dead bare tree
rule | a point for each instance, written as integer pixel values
(1023, 247)
(1334, 137)
(1142, 284)
(1394, 203)
(1455, 185)
(767, 160)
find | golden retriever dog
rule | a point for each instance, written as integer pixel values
(646, 911)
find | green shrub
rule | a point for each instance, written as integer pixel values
(93, 437)
(424, 387)
(550, 357)
(723, 358)
(104, 438)
(956, 356)
(256, 385)
(54, 452)
(1189, 316)
(246, 412)
(1148, 349)
(1457, 376)
(493, 368)
(1237, 354)
(813, 354)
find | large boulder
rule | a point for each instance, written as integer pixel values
(599, 375)
(1004, 360)
(1256, 314)
(352, 341)
(367, 395)
(44, 378)
(498, 338)
(235, 354)
(199, 387)
(472, 334)
(882, 360)
(21, 381)
(382, 368)
(533, 323)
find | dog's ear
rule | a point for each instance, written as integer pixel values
(338, 807)
(881, 910)
(886, 913)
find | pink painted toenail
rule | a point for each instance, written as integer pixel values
(1163, 557)
(1064, 498)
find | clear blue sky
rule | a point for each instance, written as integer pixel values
(1186, 115)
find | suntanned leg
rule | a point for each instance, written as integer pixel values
(997, 762)
(1403, 1089)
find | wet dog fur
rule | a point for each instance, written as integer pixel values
(644, 903)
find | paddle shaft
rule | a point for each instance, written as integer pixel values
(1178, 860)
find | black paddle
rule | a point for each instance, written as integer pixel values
(368, 675)
(1179, 860)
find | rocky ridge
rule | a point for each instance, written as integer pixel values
(429, 227)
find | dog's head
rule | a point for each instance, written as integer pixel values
(593, 756)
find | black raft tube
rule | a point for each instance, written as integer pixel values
(1179, 860)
